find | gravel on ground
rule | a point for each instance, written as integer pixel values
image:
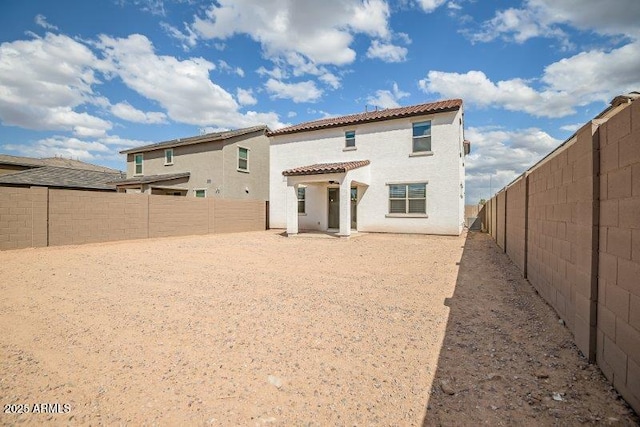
(256, 328)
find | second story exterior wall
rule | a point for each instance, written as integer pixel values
(212, 167)
(388, 146)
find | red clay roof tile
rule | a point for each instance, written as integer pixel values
(372, 116)
(321, 168)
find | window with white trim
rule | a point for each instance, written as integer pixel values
(408, 198)
(350, 138)
(302, 201)
(422, 137)
(137, 160)
(200, 193)
(243, 159)
(168, 156)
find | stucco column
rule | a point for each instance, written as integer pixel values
(292, 209)
(345, 208)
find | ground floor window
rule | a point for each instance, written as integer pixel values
(408, 198)
(302, 194)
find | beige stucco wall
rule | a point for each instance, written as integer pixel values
(213, 167)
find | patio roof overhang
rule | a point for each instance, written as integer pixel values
(325, 168)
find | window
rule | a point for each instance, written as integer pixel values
(201, 193)
(350, 138)
(243, 159)
(408, 198)
(138, 164)
(168, 156)
(422, 137)
(302, 194)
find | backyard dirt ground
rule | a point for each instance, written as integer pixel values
(257, 328)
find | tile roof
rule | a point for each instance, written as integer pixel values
(151, 178)
(372, 116)
(210, 137)
(52, 176)
(53, 161)
(321, 168)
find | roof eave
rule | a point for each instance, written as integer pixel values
(371, 120)
(195, 140)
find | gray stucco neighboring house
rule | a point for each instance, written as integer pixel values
(231, 165)
(63, 178)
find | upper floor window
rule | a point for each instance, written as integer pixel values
(350, 138)
(302, 194)
(243, 159)
(137, 164)
(200, 193)
(422, 137)
(168, 156)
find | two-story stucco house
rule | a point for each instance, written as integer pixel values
(231, 165)
(398, 170)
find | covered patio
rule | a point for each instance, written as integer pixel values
(343, 183)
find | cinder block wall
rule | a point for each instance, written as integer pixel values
(77, 217)
(618, 332)
(239, 215)
(23, 217)
(501, 200)
(582, 235)
(494, 218)
(515, 234)
(178, 216)
(560, 252)
(34, 217)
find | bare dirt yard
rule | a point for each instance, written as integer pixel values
(256, 328)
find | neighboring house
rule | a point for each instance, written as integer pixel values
(398, 170)
(66, 178)
(56, 172)
(231, 165)
(11, 164)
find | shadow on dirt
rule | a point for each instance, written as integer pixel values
(505, 358)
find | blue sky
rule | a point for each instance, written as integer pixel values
(87, 79)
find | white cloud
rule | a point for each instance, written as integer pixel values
(371, 17)
(43, 81)
(594, 76)
(291, 114)
(155, 7)
(542, 18)
(430, 5)
(498, 156)
(317, 30)
(387, 52)
(245, 97)
(182, 88)
(126, 111)
(331, 80)
(224, 66)
(572, 127)
(41, 20)
(188, 39)
(105, 148)
(276, 72)
(306, 91)
(386, 98)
